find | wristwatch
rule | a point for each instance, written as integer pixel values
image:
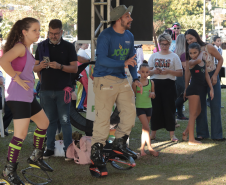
(61, 67)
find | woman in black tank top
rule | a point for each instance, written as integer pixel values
(199, 75)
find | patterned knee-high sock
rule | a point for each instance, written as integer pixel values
(14, 149)
(39, 137)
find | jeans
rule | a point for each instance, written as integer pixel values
(56, 109)
(180, 86)
(215, 109)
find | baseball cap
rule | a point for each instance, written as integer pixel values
(119, 11)
(176, 23)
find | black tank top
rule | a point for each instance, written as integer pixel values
(198, 74)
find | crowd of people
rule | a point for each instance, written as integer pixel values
(183, 67)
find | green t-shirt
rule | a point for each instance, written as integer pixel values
(143, 100)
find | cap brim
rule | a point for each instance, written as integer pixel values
(129, 9)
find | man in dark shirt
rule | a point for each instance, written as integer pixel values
(56, 83)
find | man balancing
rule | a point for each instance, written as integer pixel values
(115, 51)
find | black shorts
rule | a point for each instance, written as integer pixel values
(147, 111)
(22, 110)
(193, 89)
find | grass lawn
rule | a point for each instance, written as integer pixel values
(176, 164)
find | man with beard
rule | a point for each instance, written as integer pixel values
(57, 59)
(115, 51)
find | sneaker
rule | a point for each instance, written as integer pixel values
(119, 146)
(97, 157)
(182, 118)
(9, 174)
(47, 154)
(36, 160)
(66, 158)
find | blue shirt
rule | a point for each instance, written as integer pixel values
(113, 49)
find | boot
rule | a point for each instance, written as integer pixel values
(36, 160)
(119, 146)
(97, 157)
(9, 173)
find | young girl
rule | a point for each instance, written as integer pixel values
(18, 63)
(199, 75)
(144, 107)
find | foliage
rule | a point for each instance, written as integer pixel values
(43, 10)
(189, 13)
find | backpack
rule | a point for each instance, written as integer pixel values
(80, 155)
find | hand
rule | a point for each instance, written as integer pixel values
(54, 65)
(184, 94)
(137, 83)
(157, 71)
(130, 61)
(21, 82)
(214, 80)
(43, 64)
(164, 71)
(212, 93)
(152, 95)
(183, 65)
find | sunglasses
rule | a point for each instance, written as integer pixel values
(176, 28)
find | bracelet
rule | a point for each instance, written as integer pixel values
(14, 76)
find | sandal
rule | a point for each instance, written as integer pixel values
(174, 138)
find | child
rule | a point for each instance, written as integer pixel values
(18, 63)
(144, 107)
(198, 76)
(217, 44)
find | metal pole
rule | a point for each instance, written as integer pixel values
(102, 14)
(117, 3)
(204, 22)
(109, 12)
(92, 30)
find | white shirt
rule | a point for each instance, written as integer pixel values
(220, 51)
(140, 58)
(170, 61)
(85, 54)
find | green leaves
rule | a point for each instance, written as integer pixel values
(189, 13)
(43, 10)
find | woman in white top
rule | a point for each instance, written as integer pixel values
(165, 66)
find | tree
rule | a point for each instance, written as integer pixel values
(43, 10)
(187, 12)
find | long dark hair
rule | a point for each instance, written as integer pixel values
(199, 41)
(15, 34)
